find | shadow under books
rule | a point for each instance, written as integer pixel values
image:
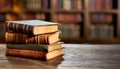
(18, 61)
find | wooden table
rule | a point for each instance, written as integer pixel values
(76, 56)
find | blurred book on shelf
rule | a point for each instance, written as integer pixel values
(102, 31)
(69, 4)
(100, 4)
(70, 31)
(63, 17)
(36, 4)
(101, 18)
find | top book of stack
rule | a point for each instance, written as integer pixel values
(31, 27)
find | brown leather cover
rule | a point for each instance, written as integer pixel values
(32, 54)
(29, 39)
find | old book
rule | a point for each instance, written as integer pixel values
(32, 4)
(32, 27)
(91, 4)
(108, 18)
(59, 4)
(108, 4)
(35, 47)
(19, 38)
(97, 5)
(79, 4)
(66, 4)
(33, 54)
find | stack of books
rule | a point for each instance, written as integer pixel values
(33, 39)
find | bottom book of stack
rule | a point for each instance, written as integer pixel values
(35, 51)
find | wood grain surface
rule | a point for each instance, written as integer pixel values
(76, 56)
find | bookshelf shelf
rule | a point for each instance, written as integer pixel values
(101, 23)
(69, 22)
(92, 41)
(37, 11)
(69, 11)
(105, 13)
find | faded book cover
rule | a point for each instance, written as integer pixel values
(32, 27)
(19, 38)
(34, 54)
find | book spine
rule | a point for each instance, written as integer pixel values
(91, 4)
(22, 38)
(60, 4)
(109, 18)
(97, 5)
(21, 28)
(28, 47)
(46, 4)
(79, 4)
(66, 4)
(42, 39)
(108, 4)
(34, 47)
(15, 38)
(26, 53)
(37, 4)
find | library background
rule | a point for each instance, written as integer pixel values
(82, 21)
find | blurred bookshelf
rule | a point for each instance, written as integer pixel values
(82, 21)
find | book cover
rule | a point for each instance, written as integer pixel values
(32, 27)
(33, 54)
(36, 47)
(19, 38)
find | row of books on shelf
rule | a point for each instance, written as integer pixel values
(69, 4)
(36, 4)
(96, 18)
(61, 17)
(39, 16)
(70, 31)
(60, 4)
(100, 4)
(101, 18)
(102, 31)
(66, 17)
(96, 31)
(33, 39)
